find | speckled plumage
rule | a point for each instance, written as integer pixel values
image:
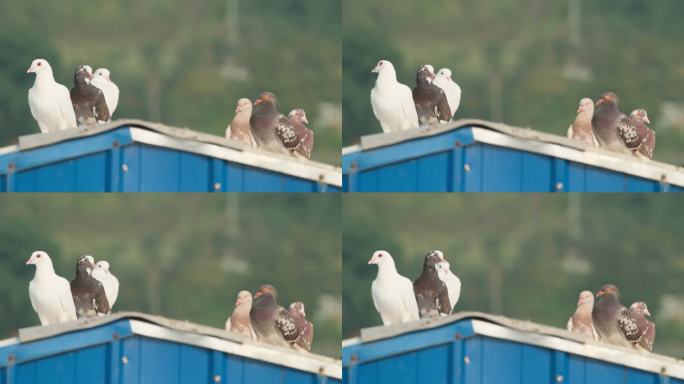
(271, 322)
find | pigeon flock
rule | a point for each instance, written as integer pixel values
(262, 318)
(602, 125)
(605, 318)
(434, 99)
(434, 293)
(91, 293)
(93, 98)
(262, 126)
(94, 291)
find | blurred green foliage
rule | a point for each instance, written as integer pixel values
(181, 256)
(181, 63)
(523, 256)
(526, 63)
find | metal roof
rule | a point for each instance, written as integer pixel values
(186, 140)
(185, 332)
(527, 332)
(525, 139)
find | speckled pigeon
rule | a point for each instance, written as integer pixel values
(432, 295)
(581, 322)
(89, 294)
(392, 293)
(306, 136)
(648, 136)
(89, 102)
(430, 100)
(392, 101)
(647, 329)
(271, 322)
(239, 321)
(581, 128)
(306, 328)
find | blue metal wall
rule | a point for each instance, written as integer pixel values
(455, 162)
(113, 162)
(112, 354)
(454, 354)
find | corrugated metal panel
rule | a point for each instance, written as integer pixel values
(131, 350)
(473, 349)
(479, 156)
(134, 156)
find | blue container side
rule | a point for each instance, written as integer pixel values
(453, 162)
(112, 162)
(435, 356)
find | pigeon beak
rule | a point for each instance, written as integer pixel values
(600, 101)
(257, 101)
(259, 293)
(646, 312)
(30, 70)
(375, 70)
(237, 109)
(647, 121)
(305, 120)
(372, 260)
(29, 261)
(600, 293)
(579, 109)
(237, 302)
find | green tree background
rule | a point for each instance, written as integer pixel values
(523, 256)
(178, 62)
(526, 63)
(168, 250)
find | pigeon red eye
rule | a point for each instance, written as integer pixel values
(39, 64)
(38, 256)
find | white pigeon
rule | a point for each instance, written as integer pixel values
(452, 282)
(392, 293)
(450, 88)
(392, 101)
(103, 80)
(49, 101)
(50, 294)
(110, 283)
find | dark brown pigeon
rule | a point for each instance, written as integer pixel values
(271, 129)
(271, 322)
(431, 293)
(306, 328)
(648, 136)
(613, 129)
(613, 322)
(647, 329)
(89, 294)
(430, 100)
(306, 136)
(89, 102)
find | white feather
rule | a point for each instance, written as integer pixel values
(450, 88)
(49, 293)
(110, 283)
(392, 293)
(109, 89)
(392, 101)
(452, 282)
(49, 101)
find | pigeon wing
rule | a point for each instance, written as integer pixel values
(628, 325)
(286, 326)
(443, 110)
(66, 107)
(286, 133)
(443, 297)
(101, 109)
(408, 298)
(628, 133)
(66, 300)
(408, 107)
(101, 303)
